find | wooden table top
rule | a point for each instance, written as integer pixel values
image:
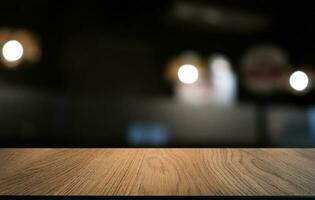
(169, 171)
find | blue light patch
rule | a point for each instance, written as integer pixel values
(147, 134)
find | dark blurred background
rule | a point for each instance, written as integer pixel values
(220, 73)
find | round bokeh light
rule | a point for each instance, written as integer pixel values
(188, 74)
(299, 81)
(12, 51)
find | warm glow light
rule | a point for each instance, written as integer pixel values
(298, 81)
(12, 51)
(188, 74)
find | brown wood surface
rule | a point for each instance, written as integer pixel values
(157, 171)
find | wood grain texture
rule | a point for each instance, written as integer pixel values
(157, 171)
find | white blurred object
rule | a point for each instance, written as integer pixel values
(224, 80)
(299, 81)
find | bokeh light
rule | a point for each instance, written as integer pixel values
(185, 58)
(188, 74)
(299, 81)
(12, 51)
(18, 47)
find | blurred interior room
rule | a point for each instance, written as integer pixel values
(178, 73)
